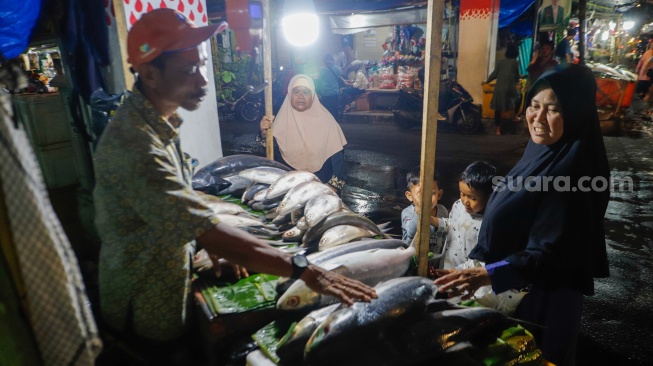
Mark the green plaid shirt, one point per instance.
(148, 217)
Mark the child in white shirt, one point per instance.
(466, 215)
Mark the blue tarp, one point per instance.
(17, 18)
(510, 11)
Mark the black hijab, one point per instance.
(552, 238)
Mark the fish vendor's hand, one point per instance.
(239, 271)
(464, 282)
(333, 284)
(266, 122)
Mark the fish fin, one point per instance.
(384, 225)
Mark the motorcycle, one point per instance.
(251, 107)
(455, 106)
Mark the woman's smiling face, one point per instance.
(544, 118)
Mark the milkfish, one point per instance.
(283, 283)
(291, 347)
(342, 234)
(260, 206)
(289, 181)
(263, 174)
(293, 235)
(300, 194)
(208, 184)
(314, 234)
(241, 221)
(369, 266)
(336, 341)
(252, 190)
(225, 208)
(302, 224)
(319, 207)
(238, 185)
(419, 339)
(232, 164)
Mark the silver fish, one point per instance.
(342, 234)
(291, 347)
(398, 299)
(263, 174)
(302, 224)
(288, 181)
(319, 207)
(299, 195)
(252, 190)
(293, 235)
(226, 208)
(283, 283)
(370, 267)
(314, 234)
(238, 184)
(241, 221)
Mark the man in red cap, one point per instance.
(149, 219)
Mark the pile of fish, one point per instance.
(405, 325)
(618, 72)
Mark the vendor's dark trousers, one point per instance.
(350, 94)
(642, 87)
(558, 313)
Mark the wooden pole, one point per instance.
(432, 63)
(121, 26)
(267, 75)
(582, 10)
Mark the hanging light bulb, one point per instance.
(629, 24)
(605, 35)
(612, 25)
(300, 23)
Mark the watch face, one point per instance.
(300, 261)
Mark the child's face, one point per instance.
(473, 199)
(414, 194)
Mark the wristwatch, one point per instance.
(299, 265)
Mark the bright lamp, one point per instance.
(300, 23)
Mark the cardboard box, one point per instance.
(363, 102)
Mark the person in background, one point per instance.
(328, 86)
(466, 215)
(542, 61)
(505, 94)
(306, 136)
(150, 220)
(531, 237)
(358, 85)
(409, 216)
(645, 63)
(563, 49)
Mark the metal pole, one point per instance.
(582, 9)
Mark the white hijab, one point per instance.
(306, 139)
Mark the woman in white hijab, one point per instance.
(306, 136)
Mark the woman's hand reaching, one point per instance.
(462, 282)
(266, 122)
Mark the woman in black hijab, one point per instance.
(545, 233)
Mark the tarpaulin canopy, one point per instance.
(16, 21)
(348, 24)
(509, 13)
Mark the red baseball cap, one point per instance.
(165, 30)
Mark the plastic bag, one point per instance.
(405, 77)
(387, 78)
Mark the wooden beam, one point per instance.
(121, 27)
(433, 54)
(267, 75)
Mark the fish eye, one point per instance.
(293, 301)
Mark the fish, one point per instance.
(259, 196)
(291, 346)
(302, 224)
(233, 164)
(208, 184)
(263, 174)
(296, 215)
(399, 299)
(238, 184)
(319, 207)
(423, 338)
(260, 206)
(300, 194)
(313, 235)
(283, 283)
(289, 181)
(252, 190)
(241, 221)
(293, 235)
(368, 266)
(342, 234)
(225, 208)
